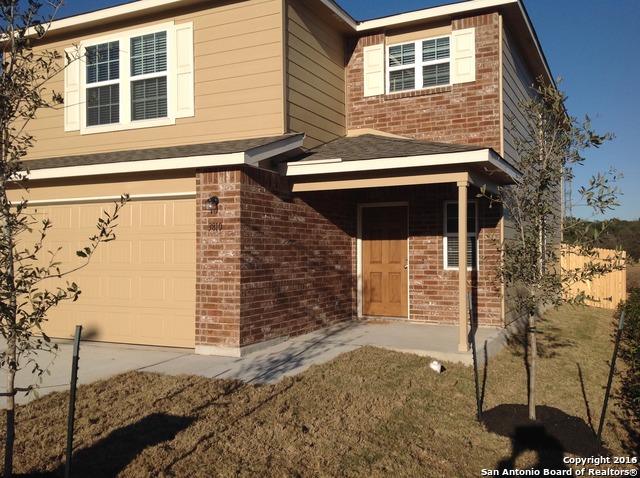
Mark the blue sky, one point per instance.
(592, 44)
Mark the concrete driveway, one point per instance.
(100, 361)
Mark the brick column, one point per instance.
(218, 264)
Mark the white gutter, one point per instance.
(431, 13)
(251, 158)
(110, 12)
(336, 166)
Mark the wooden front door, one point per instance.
(384, 261)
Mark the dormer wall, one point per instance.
(466, 112)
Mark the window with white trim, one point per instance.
(130, 80)
(420, 64)
(451, 238)
(103, 83)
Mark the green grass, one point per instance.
(371, 412)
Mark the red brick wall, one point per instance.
(280, 266)
(296, 259)
(467, 113)
(218, 259)
(284, 265)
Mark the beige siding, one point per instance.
(516, 87)
(315, 76)
(238, 85)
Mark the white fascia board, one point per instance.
(103, 199)
(501, 164)
(305, 168)
(251, 158)
(344, 16)
(139, 166)
(255, 155)
(100, 15)
(430, 13)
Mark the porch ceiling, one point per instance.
(374, 161)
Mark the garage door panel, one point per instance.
(93, 288)
(152, 326)
(120, 288)
(60, 218)
(153, 289)
(153, 214)
(118, 324)
(88, 216)
(153, 251)
(119, 251)
(183, 252)
(145, 278)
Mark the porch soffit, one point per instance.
(224, 153)
(375, 161)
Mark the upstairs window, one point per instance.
(451, 238)
(103, 83)
(149, 75)
(136, 79)
(420, 64)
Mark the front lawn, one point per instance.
(370, 412)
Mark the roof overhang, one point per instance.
(513, 10)
(482, 167)
(251, 157)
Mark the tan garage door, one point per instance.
(138, 289)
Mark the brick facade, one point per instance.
(275, 266)
(272, 264)
(467, 113)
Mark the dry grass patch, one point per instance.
(370, 412)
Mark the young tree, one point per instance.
(549, 143)
(24, 297)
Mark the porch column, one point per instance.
(463, 344)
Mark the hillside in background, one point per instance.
(616, 233)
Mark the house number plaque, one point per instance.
(215, 226)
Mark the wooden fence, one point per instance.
(604, 291)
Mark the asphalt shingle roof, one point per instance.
(371, 146)
(222, 147)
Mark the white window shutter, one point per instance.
(463, 56)
(373, 70)
(185, 92)
(72, 90)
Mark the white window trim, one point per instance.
(418, 65)
(470, 234)
(376, 72)
(124, 39)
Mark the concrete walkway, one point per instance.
(99, 361)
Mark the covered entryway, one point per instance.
(138, 289)
(384, 261)
(424, 175)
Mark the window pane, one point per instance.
(451, 225)
(435, 75)
(149, 99)
(452, 252)
(400, 55)
(436, 49)
(442, 48)
(402, 80)
(103, 62)
(149, 54)
(103, 105)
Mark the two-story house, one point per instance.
(289, 167)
